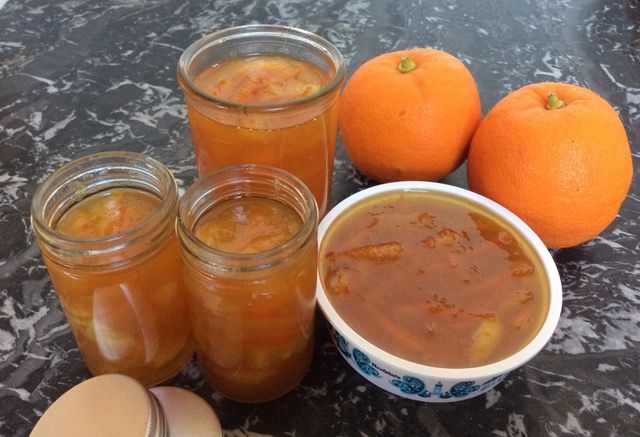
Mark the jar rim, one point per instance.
(245, 31)
(68, 175)
(255, 260)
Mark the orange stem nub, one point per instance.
(553, 102)
(406, 65)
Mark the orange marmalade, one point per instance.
(434, 279)
(254, 338)
(131, 319)
(262, 80)
(107, 213)
(273, 116)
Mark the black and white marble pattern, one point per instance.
(81, 76)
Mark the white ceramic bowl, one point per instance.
(426, 383)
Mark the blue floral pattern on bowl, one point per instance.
(410, 385)
(415, 386)
(342, 344)
(364, 363)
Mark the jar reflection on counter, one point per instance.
(105, 225)
(252, 308)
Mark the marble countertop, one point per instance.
(82, 76)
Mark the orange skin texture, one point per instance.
(564, 171)
(415, 125)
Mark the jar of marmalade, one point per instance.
(105, 225)
(265, 94)
(248, 240)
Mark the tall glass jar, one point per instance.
(252, 311)
(121, 291)
(297, 134)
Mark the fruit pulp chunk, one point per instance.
(262, 80)
(248, 225)
(253, 329)
(433, 279)
(107, 213)
(298, 139)
(131, 319)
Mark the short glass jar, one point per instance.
(122, 293)
(252, 313)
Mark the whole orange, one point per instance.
(557, 155)
(409, 115)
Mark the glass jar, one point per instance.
(122, 293)
(297, 135)
(252, 313)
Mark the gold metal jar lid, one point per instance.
(118, 405)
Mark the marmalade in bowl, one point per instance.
(433, 279)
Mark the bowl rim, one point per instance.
(505, 365)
